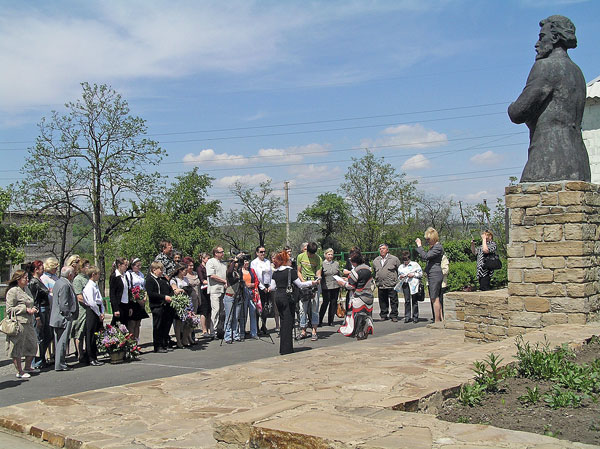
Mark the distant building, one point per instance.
(48, 246)
(591, 127)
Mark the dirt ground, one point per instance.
(503, 409)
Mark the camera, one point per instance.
(239, 256)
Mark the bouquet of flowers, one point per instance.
(138, 293)
(183, 308)
(112, 339)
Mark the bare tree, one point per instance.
(99, 163)
(261, 210)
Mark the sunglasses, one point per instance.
(261, 252)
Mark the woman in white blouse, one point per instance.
(135, 278)
(409, 278)
(94, 314)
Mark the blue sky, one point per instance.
(292, 90)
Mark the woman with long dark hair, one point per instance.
(41, 298)
(119, 294)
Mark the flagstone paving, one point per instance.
(353, 396)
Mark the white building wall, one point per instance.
(591, 135)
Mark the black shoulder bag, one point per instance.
(491, 261)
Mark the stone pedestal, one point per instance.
(553, 249)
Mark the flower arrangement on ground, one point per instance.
(113, 339)
(183, 308)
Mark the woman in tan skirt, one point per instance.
(19, 303)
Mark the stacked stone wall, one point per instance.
(553, 249)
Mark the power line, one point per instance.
(314, 122)
(310, 131)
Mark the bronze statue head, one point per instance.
(556, 31)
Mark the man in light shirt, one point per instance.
(386, 276)
(262, 267)
(216, 272)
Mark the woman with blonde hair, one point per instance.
(433, 269)
(20, 304)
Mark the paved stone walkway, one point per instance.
(355, 396)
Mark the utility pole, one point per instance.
(286, 188)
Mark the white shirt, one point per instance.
(125, 295)
(92, 297)
(136, 279)
(263, 271)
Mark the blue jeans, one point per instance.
(232, 315)
(250, 309)
(314, 310)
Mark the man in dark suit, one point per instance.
(64, 311)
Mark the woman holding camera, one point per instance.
(487, 246)
(281, 284)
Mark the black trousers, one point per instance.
(411, 305)
(162, 318)
(286, 316)
(329, 304)
(92, 325)
(484, 283)
(388, 299)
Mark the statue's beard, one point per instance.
(543, 51)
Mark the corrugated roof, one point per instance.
(593, 88)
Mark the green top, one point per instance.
(309, 265)
(79, 283)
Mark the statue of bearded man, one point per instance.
(551, 105)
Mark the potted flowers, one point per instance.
(118, 342)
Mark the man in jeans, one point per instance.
(310, 266)
(386, 276)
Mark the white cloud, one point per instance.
(47, 50)
(250, 180)
(487, 158)
(318, 173)
(417, 162)
(408, 136)
(262, 156)
(477, 196)
(272, 155)
(209, 157)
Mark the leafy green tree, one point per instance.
(261, 210)
(101, 148)
(14, 237)
(192, 215)
(185, 218)
(332, 214)
(378, 196)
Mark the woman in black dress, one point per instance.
(283, 277)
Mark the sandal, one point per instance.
(314, 337)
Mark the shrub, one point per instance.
(458, 250)
(462, 276)
(500, 277)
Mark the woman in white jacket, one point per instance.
(409, 278)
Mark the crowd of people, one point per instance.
(221, 297)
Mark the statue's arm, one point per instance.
(537, 90)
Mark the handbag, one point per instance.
(341, 311)
(10, 326)
(421, 293)
(491, 262)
